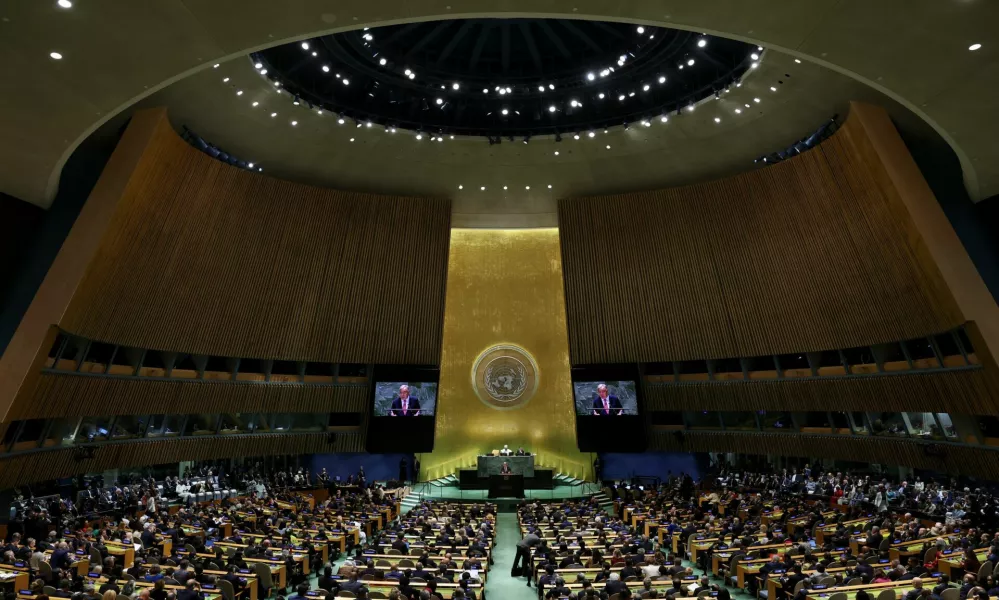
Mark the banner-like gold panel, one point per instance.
(504, 288)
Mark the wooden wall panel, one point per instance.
(981, 463)
(961, 392)
(58, 395)
(24, 469)
(206, 258)
(812, 253)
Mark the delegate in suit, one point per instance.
(405, 405)
(605, 403)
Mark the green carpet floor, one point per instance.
(500, 585)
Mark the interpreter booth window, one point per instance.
(31, 433)
(62, 432)
(776, 420)
(93, 429)
(947, 426)
(888, 423)
(233, 423)
(922, 354)
(814, 422)
(165, 426)
(301, 421)
(950, 352)
(703, 419)
(840, 422)
(201, 425)
(129, 426)
(262, 422)
(859, 423)
(739, 420)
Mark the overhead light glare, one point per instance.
(305, 45)
(662, 79)
(552, 108)
(664, 118)
(717, 120)
(702, 43)
(294, 123)
(797, 60)
(326, 69)
(641, 29)
(440, 101)
(258, 66)
(754, 56)
(974, 47)
(690, 63)
(455, 86)
(645, 87)
(505, 111)
(383, 62)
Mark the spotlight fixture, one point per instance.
(225, 80)
(250, 165)
(504, 187)
(419, 136)
(608, 146)
(65, 4)
(664, 118)
(754, 56)
(690, 63)
(641, 29)
(345, 81)
(591, 134)
(621, 97)
(483, 188)
(756, 100)
(754, 65)
(505, 112)
(305, 45)
(258, 66)
(239, 92)
(798, 60)
(412, 75)
(702, 43)
(551, 86)
(541, 88)
(717, 120)
(461, 187)
(351, 139)
(340, 121)
(556, 153)
(645, 87)
(455, 86)
(590, 76)
(647, 123)
(773, 89)
(315, 54)
(294, 123)
(326, 69)
(263, 72)
(215, 66)
(549, 186)
(575, 137)
(255, 104)
(573, 103)
(383, 62)
(273, 115)
(600, 95)
(527, 187)
(738, 111)
(974, 47)
(552, 108)
(440, 101)
(662, 79)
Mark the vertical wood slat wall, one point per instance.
(206, 258)
(21, 469)
(59, 395)
(963, 392)
(809, 254)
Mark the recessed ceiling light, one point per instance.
(258, 66)
(263, 72)
(773, 89)
(255, 103)
(591, 76)
(662, 79)
(702, 43)
(383, 62)
(314, 54)
(509, 90)
(483, 188)
(575, 137)
(419, 136)
(305, 45)
(505, 111)
(541, 88)
(239, 92)
(738, 111)
(573, 103)
(974, 47)
(747, 106)
(556, 153)
(551, 86)
(352, 139)
(691, 108)
(65, 4)
(326, 69)
(600, 95)
(504, 187)
(552, 108)
(754, 65)
(591, 134)
(296, 102)
(641, 29)
(608, 146)
(621, 97)
(647, 123)
(664, 118)
(717, 120)
(527, 187)
(549, 186)
(55, 55)
(455, 86)
(645, 88)
(340, 121)
(461, 187)
(346, 81)
(294, 123)
(215, 66)
(797, 60)
(368, 124)
(690, 63)
(440, 101)
(250, 165)
(754, 56)
(757, 100)
(273, 115)
(225, 80)
(261, 169)
(412, 75)
(452, 137)
(319, 111)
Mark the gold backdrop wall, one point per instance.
(505, 287)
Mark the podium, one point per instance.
(506, 486)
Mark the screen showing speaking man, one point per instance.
(606, 398)
(405, 399)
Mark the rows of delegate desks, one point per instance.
(749, 567)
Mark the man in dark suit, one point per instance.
(404, 405)
(615, 585)
(505, 469)
(191, 591)
(605, 403)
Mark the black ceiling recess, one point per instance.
(506, 77)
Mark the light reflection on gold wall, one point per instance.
(505, 287)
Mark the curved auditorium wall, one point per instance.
(205, 258)
(813, 253)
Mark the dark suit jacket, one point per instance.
(612, 400)
(414, 407)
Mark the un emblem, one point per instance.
(505, 376)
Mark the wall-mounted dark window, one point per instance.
(728, 366)
(817, 420)
(776, 420)
(692, 367)
(666, 418)
(793, 361)
(284, 367)
(840, 420)
(703, 419)
(920, 349)
(962, 337)
(739, 420)
(659, 369)
(218, 364)
(250, 365)
(318, 369)
(353, 370)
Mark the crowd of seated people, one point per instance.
(779, 535)
(153, 550)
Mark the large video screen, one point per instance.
(606, 398)
(405, 399)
